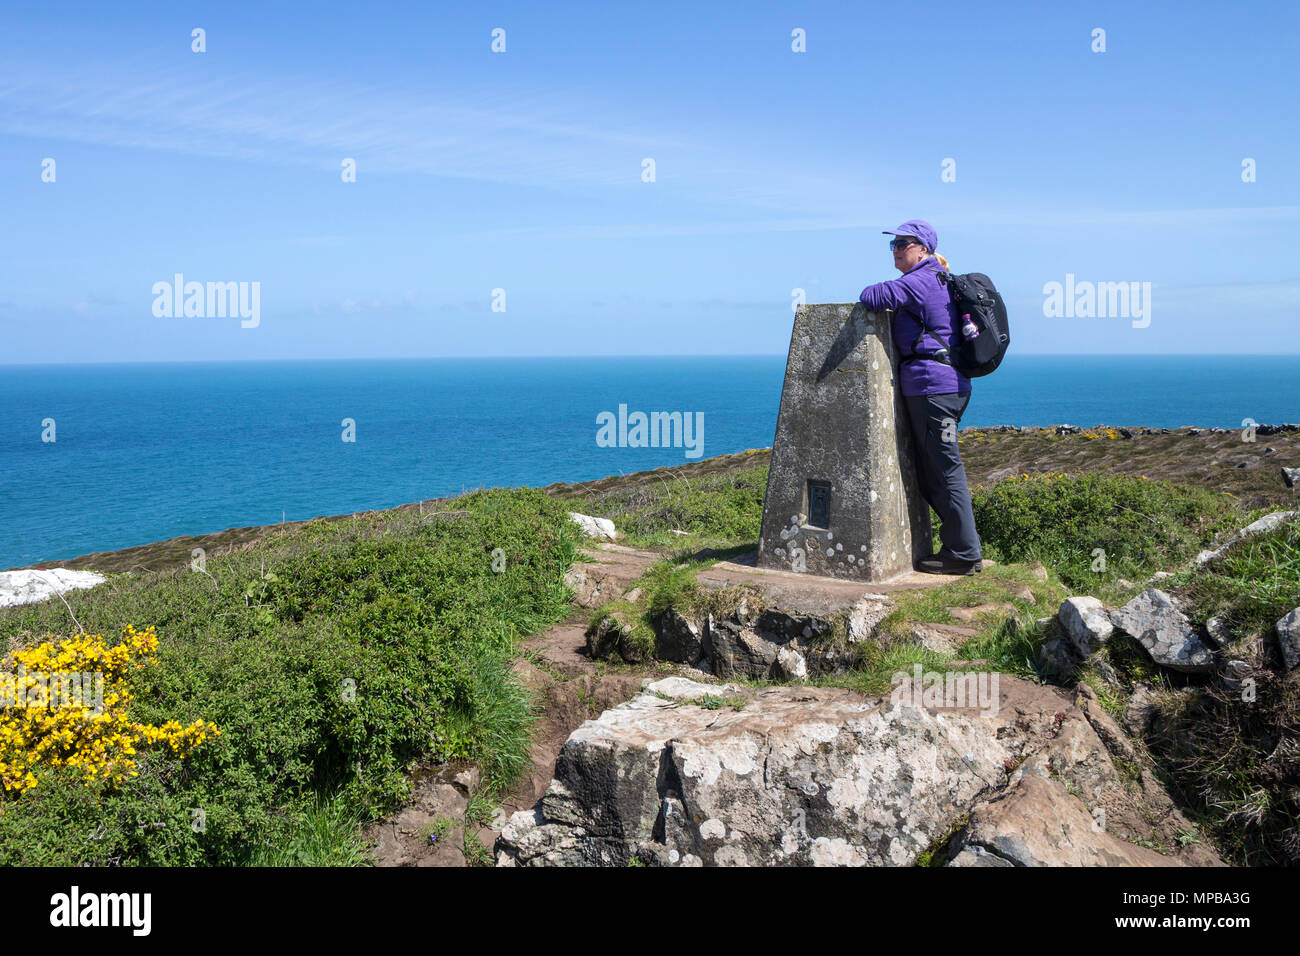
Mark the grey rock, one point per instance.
(735, 650)
(865, 616)
(1140, 710)
(976, 855)
(1269, 522)
(1085, 623)
(467, 781)
(1024, 593)
(611, 634)
(1105, 671)
(1234, 676)
(1058, 657)
(1291, 476)
(1265, 524)
(678, 638)
(1288, 638)
(1037, 570)
(1216, 632)
(940, 638)
(1154, 619)
(799, 776)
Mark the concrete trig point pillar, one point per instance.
(842, 498)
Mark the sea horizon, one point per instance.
(604, 355)
(148, 451)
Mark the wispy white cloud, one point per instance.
(556, 140)
(551, 139)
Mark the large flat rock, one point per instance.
(695, 774)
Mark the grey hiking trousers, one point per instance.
(940, 473)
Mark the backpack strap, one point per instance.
(938, 355)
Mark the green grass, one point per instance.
(714, 509)
(327, 834)
(1253, 584)
(331, 656)
(1236, 758)
(436, 828)
(667, 584)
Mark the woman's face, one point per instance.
(908, 251)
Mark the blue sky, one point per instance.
(521, 170)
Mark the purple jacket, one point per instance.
(913, 294)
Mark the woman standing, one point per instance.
(936, 394)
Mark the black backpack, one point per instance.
(975, 295)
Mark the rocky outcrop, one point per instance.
(745, 632)
(692, 774)
(1037, 823)
(613, 634)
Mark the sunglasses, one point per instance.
(896, 244)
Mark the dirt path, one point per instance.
(569, 688)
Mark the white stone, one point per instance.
(30, 585)
(792, 664)
(594, 527)
(1086, 623)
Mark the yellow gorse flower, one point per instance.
(99, 742)
(1024, 478)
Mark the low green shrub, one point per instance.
(330, 657)
(1139, 525)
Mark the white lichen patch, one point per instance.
(713, 829)
(730, 855)
(837, 852)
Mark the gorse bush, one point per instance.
(330, 657)
(1140, 525)
(68, 706)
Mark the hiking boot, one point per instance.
(936, 564)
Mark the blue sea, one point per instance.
(145, 452)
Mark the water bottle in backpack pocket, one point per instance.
(982, 318)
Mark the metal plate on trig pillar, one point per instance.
(819, 503)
